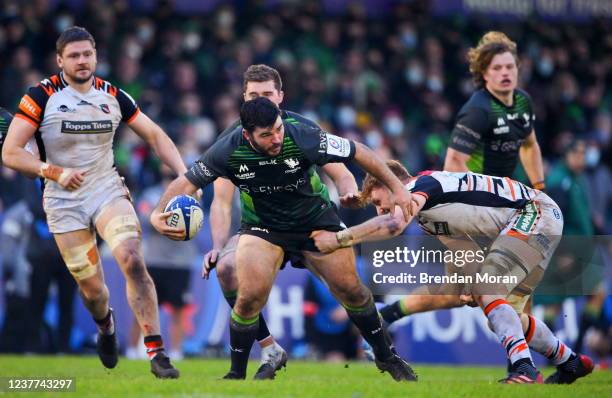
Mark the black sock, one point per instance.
(242, 336)
(106, 325)
(392, 312)
(370, 325)
(263, 331)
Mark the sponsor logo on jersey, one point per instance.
(87, 127)
(338, 146)
(83, 102)
(267, 162)
(322, 142)
(270, 189)
(105, 108)
(260, 229)
(501, 130)
(500, 121)
(202, 169)
(526, 118)
(292, 163)
(243, 168)
(30, 108)
(65, 108)
(512, 116)
(245, 176)
(527, 219)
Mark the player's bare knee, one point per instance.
(132, 263)
(248, 308)
(226, 273)
(94, 293)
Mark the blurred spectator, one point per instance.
(328, 328)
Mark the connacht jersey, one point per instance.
(76, 130)
(283, 192)
(5, 121)
(492, 133)
(468, 203)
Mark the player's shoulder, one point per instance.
(296, 118)
(105, 86)
(480, 99)
(522, 96)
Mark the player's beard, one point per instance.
(79, 80)
(261, 149)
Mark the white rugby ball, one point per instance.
(187, 215)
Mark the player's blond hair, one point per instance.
(370, 182)
(490, 45)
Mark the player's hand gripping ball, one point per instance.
(187, 215)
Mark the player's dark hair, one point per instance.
(259, 112)
(261, 73)
(370, 182)
(73, 33)
(490, 45)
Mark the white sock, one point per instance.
(508, 328)
(270, 351)
(542, 340)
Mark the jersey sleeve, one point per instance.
(211, 165)
(229, 129)
(426, 186)
(32, 105)
(321, 147)
(127, 105)
(469, 130)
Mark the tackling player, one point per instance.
(272, 162)
(511, 214)
(259, 81)
(74, 116)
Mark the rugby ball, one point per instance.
(187, 215)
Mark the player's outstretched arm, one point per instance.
(180, 186)
(531, 158)
(16, 157)
(371, 163)
(163, 146)
(378, 228)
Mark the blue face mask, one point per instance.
(346, 116)
(394, 126)
(592, 156)
(546, 67)
(410, 39)
(415, 76)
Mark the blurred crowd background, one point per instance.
(392, 74)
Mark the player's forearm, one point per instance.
(531, 158)
(378, 228)
(220, 223)
(180, 186)
(371, 163)
(343, 179)
(455, 163)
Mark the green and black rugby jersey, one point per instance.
(283, 192)
(5, 120)
(285, 115)
(492, 133)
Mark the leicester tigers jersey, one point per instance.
(468, 203)
(76, 130)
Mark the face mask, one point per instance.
(409, 39)
(373, 139)
(435, 84)
(145, 33)
(62, 23)
(103, 69)
(546, 67)
(394, 126)
(192, 41)
(346, 116)
(592, 156)
(415, 76)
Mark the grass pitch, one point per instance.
(200, 378)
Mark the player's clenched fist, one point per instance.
(69, 179)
